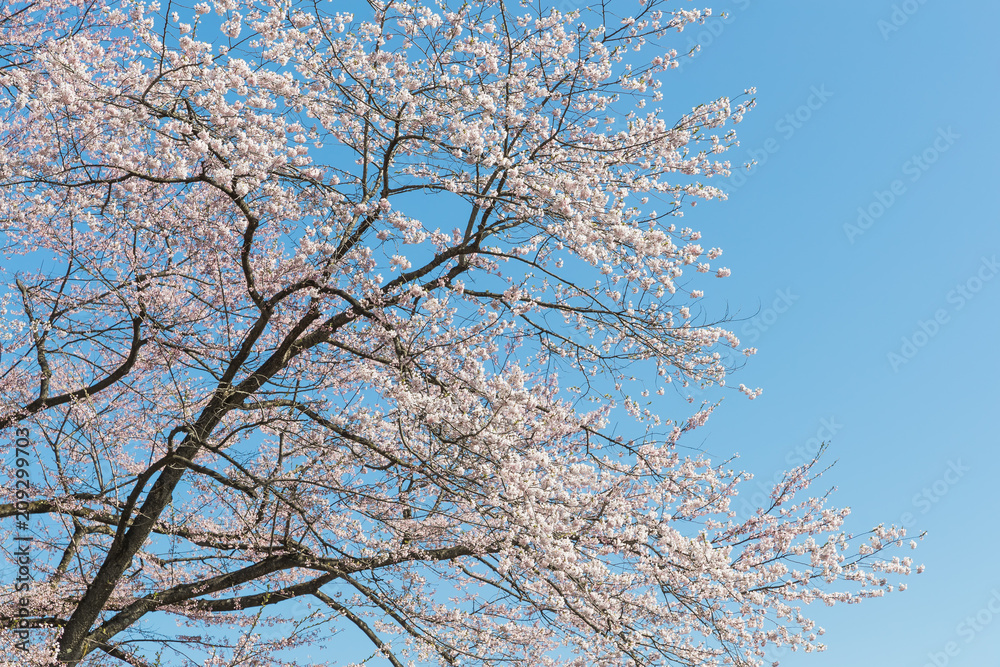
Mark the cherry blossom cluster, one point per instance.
(329, 319)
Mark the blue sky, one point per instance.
(887, 107)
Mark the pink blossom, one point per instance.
(275, 386)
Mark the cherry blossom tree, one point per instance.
(323, 323)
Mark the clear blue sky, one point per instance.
(911, 92)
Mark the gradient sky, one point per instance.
(887, 107)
